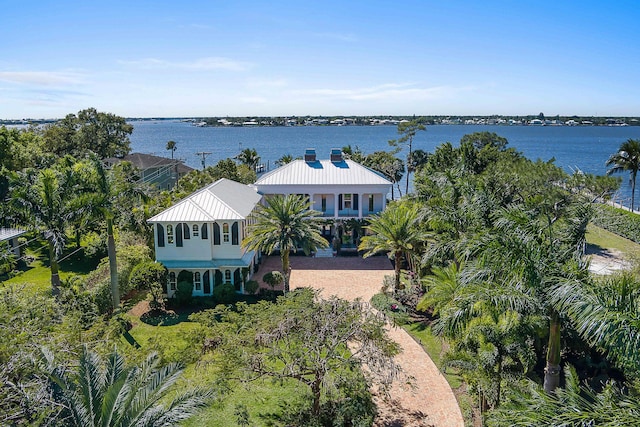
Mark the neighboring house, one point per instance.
(162, 172)
(11, 235)
(340, 189)
(199, 238)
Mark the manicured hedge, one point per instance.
(618, 221)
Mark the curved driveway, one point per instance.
(431, 401)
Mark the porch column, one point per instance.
(384, 201)
(360, 202)
(312, 200)
(336, 206)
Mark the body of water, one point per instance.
(581, 147)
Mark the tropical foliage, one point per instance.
(317, 342)
(104, 392)
(285, 224)
(395, 231)
(627, 159)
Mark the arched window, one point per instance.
(205, 231)
(170, 234)
(172, 280)
(227, 276)
(196, 230)
(225, 232)
(234, 234)
(160, 230)
(197, 282)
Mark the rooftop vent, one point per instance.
(336, 155)
(310, 155)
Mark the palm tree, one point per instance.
(530, 252)
(605, 313)
(573, 405)
(249, 157)
(44, 203)
(627, 159)
(395, 230)
(106, 393)
(283, 160)
(171, 145)
(109, 192)
(285, 223)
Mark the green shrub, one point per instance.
(224, 294)
(391, 307)
(618, 221)
(184, 293)
(145, 274)
(251, 287)
(273, 278)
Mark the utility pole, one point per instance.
(204, 155)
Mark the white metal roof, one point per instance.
(322, 172)
(224, 199)
(10, 233)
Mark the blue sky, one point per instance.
(239, 58)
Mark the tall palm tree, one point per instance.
(173, 146)
(285, 223)
(530, 251)
(627, 159)
(110, 192)
(44, 203)
(606, 313)
(106, 393)
(395, 230)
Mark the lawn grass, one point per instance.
(36, 276)
(603, 239)
(432, 345)
(262, 399)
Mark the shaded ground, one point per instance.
(606, 261)
(431, 400)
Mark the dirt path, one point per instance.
(431, 401)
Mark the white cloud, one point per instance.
(384, 92)
(42, 78)
(200, 64)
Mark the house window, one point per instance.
(170, 234)
(227, 276)
(197, 282)
(324, 204)
(225, 232)
(196, 231)
(172, 281)
(347, 201)
(370, 202)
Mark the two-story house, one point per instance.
(199, 238)
(341, 189)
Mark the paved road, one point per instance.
(430, 401)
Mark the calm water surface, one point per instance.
(585, 148)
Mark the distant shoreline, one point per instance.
(257, 121)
